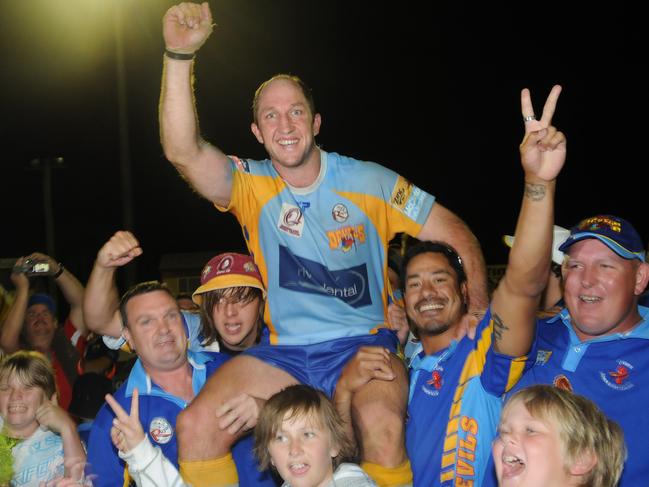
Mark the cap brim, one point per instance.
(226, 281)
(611, 244)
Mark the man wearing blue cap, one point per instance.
(598, 345)
(31, 323)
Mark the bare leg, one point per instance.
(199, 437)
(378, 413)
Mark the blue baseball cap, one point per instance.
(616, 233)
(40, 298)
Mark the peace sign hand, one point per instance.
(127, 431)
(543, 150)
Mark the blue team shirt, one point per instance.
(158, 413)
(321, 250)
(610, 370)
(454, 409)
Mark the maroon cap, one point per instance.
(228, 270)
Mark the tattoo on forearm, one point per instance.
(499, 327)
(536, 192)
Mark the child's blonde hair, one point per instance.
(582, 427)
(31, 368)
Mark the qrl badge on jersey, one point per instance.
(161, 430)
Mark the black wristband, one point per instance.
(59, 272)
(179, 55)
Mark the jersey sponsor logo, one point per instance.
(407, 198)
(241, 164)
(307, 276)
(542, 357)
(618, 378)
(401, 193)
(161, 430)
(562, 382)
(346, 237)
(291, 220)
(340, 213)
(414, 203)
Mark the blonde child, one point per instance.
(42, 437)
(550, 437)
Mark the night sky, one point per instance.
(430, 89)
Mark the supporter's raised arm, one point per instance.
(185, 28)
(101, 302)
(12, 326)
(515, 301)
(70, 286)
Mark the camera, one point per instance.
(31, 267)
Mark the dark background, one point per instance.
(430, 89)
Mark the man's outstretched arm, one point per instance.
(185, 28)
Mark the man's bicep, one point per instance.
(210, 174)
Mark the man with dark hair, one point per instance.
(457, 382)
(167, 375)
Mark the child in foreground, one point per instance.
(300, 433)
(41, 436)
(551, 437)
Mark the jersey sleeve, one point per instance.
(499, 372)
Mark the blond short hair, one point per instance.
(31, 368)
(582, 427)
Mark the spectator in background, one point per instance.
(185, 302)
(551, 303)
(32, 323)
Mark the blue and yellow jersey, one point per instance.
(611, 370)
(454, 408)
(321, 250)
(158, 413)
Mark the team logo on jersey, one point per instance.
(618, 378)
(542, 357)
(340, 213)
(434, 384)
(241, 164)
(161, 430)
(346, 237)
(562, 382)
(436, 380)
(291, 220)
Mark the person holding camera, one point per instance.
(32, 324)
